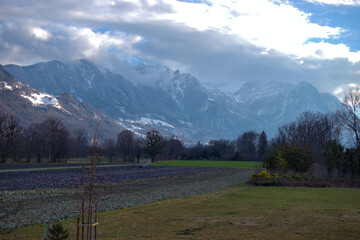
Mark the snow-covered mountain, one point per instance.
(29, 106)
(106, 91)
(280, 103)
(251, 92)
(173, 102)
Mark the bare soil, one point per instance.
(27, 207)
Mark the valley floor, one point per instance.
(46, 196)
(240, 212)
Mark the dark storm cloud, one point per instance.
(131, 29)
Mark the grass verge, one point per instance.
(198, 163)
(242, 212)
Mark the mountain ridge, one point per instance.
(31, 106)
(177, 99)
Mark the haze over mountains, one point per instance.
(175, 103)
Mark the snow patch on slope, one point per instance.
(139, 127)
(150, 121)
(42, 99)
(5, 85)
(135, 129)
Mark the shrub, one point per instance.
(57, 232)
(275, 160)
(292, 157)
(264, 178)
(334, 156)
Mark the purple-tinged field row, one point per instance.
(27, 180)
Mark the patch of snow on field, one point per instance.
(42, 99)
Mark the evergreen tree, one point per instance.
(57, 232)
(262, 145)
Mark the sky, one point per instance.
(223, 43)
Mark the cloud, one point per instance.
(27, 44)
(337, 2)
(41, 34)
(223, 43)
(274, 25)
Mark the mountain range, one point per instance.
(30, 106)
(175, 103)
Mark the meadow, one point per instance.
(219, 212)
(240, 212)
(201, 163)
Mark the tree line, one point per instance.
(50, 141)
(317, 140)
(313, 138)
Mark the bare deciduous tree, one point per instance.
(110, 148)
(125, 143)
(312, 130)
(138, 148)
(80, 144)
(9, 134)
(57, 139)
(246, 145)
(350, 114)
(173, 148)
(153, 143)
(29, 138)
(221, 149)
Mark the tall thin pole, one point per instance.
(96, 220)
(88, 221)
(90, 225)
(89, 195)
(78, 229)
(83, 221)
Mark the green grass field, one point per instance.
(87, 160)
(240, 212)
(227, 164)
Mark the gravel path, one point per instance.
(26, 207)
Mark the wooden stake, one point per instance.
(90, 225)
(96, 220)
(78, 229)
(83, 221)
(88, 220)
